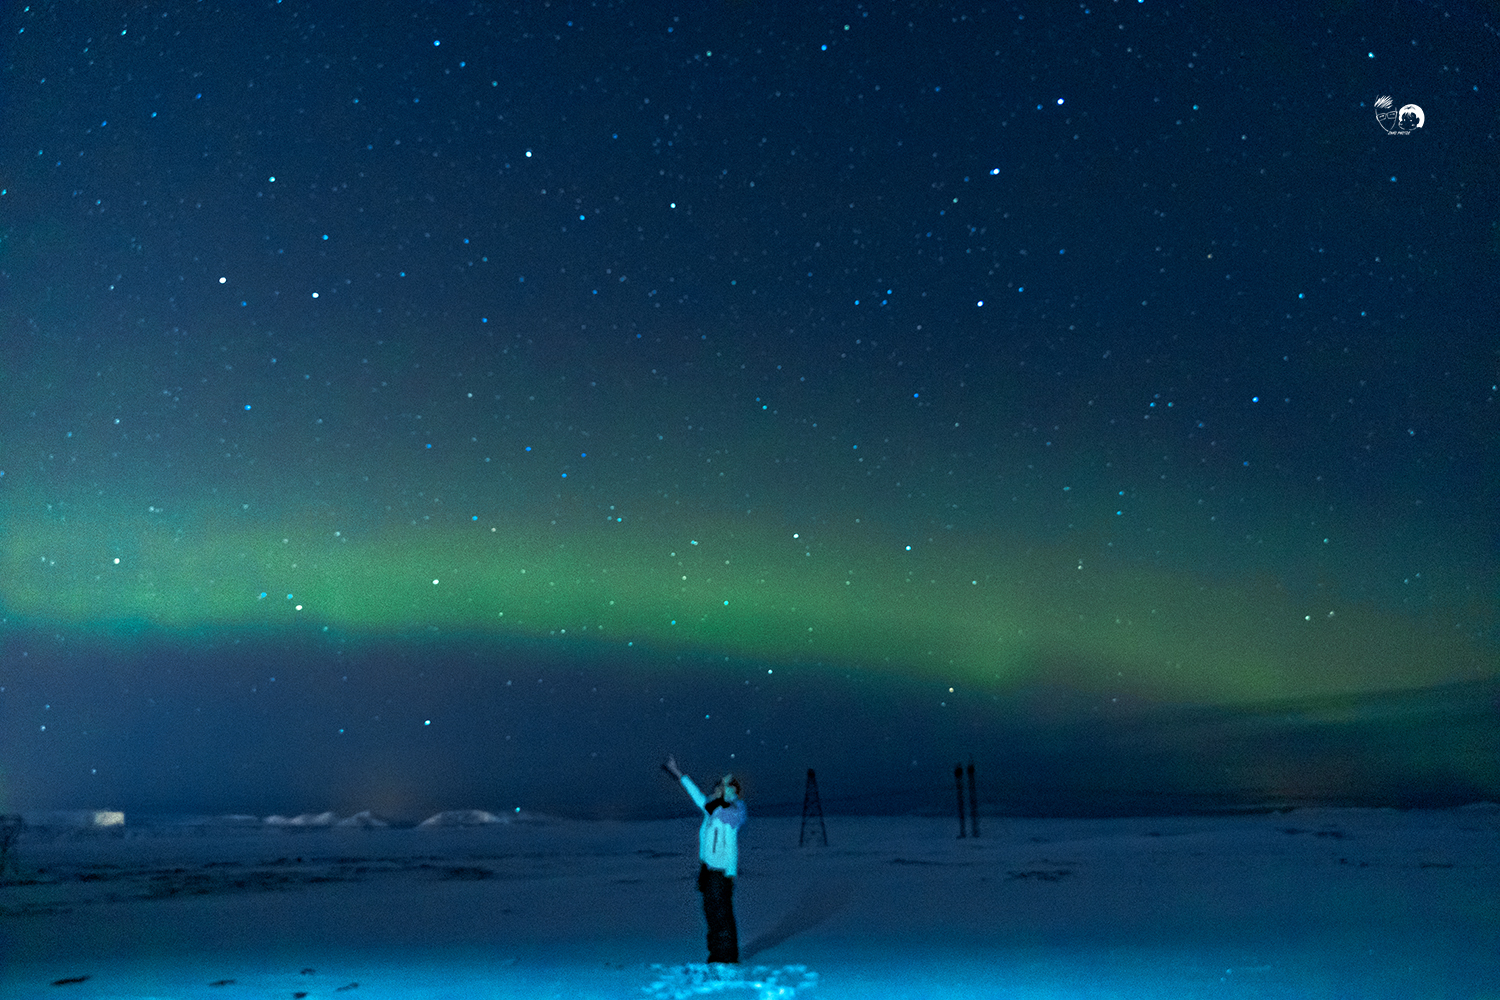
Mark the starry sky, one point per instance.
(446, 405)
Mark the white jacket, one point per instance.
(718, 837)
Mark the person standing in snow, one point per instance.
(718, 856)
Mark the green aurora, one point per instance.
(984, 612)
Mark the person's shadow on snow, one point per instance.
(816, 905)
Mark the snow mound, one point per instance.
(461, 817)
(77, 819)
(364, 820)
(303, 820)
(762, 982)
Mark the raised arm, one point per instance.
(670, 766)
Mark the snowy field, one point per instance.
(1305, 904)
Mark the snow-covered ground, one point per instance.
(1306, 904)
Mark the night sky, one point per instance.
(452, 404)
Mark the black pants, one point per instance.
(718, 908)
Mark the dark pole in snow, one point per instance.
(958, 786)
(812, 809)
(10, 829)
(973, 803)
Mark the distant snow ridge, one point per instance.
(680, 982)
(364, 819)
(303, 820)
(78, 819)
(461, 817)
